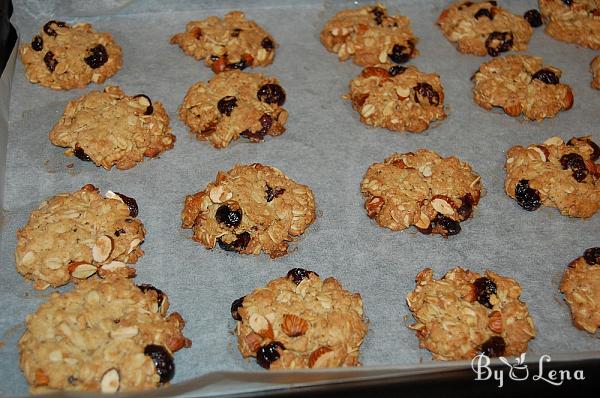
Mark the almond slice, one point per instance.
(442, 207)
(423, 222)
(102, 248)
(495, 322)
(322, 357)
(111, 381)
(294, 325)
(260, 325)
(125, 332)
(82, 270)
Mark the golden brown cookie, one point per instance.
(300, 321)
(249, 209)
(595, 68)
(422, 189)
(398, 98)
(581, 286)
(105, 335)
(573, 21)
(229, 43)
(64, 57)
(555, 174)
(465, 313)
(370, 36)
(521, 84)
(73, 236)
(481, 28)
(111, 128)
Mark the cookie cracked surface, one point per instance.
(63, 57)
(521, 84)
(483, 28)
(235, 103)
(465, 313)
(105, 335)
(229, 43)
(595, 68)
(555, 174)
(370, 36)
(573, 21)
(111, 128)
(300, 321)
(73, 236)
(397, 98)
(422, 189)
(249, 209)
(581, 286)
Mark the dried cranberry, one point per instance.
(576, 163)
(119, 232)
(267, 44)
(378, 13)
(401, 54)
(239, 243)
(266, 123)
(271, 94)
(568, 2)
(160, 296)
(527, 198)
(595, 149)
(48, 27)
(226, 105)
(163, 361)
(150, 109)
(37, 43)
(484, 12)
(426, 91)
(533, 17)
(234, 308)
(229, 216)
(268, 354)
(241, 65)
(299, 274)
(494, 347)
(546, 76)
(78, 152)
(273, 193)
(396, 70)
(50, 61)
(445, 225)
(466, 208)
(97, 58)
(131, 203)
(484, 288)
(498, 42)
(592, 255)
(236, 32)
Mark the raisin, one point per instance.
(396, 70)
(568, 2)
(534, 18)
(241, 65)
(226, 105)
(37, 43)
(299, 274)
(466, 208)
(484, 288)
(504, 43)
(595, 149)
(234, 308)
(273, 193)
(97, 58)
(494, 347)
(50, 61)
(131, 203)
(160, 295)
(378, 14)
(236, 32)
(546, 76)
(78, 152)
(214, 58)
(445, 225)
(72, 380)
(266, 122)
(163, 361)
(238, 244)
(267, 44)
(592, 255)
(426, 91)
(271, 94)
(527, 198)
(150, 109)
(48, 27)
(268, 354)
(576, 163)
(484, 12)
(229, 216)
(401, 54)
(119, 232)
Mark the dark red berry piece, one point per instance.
(119, 232)
(236, 32)
(267, 44)
(595, 149)
(98, 56)
(228, 215)
(299, 274)
(527, 198)
(266, 122)
(568, 2)
(268, 354)
(241, 65)
(465, 4)
(378, 14)
(494, 347)
(498, 42)
(576, 163)
(150, 109)
(592, 255)
(445, 225)
(50, 61)
(37, 43)
(226, 105)
(396, 70)
(238, 244)
(425, 90)
(160, 295)
(235, 306)
(533, 17)
(546, 76)
(484, 12)
(272, 193)
(78, 152)
(163, 361)
(401, 54)
(130, 202)
(466, 208)
(271, 94)
(48, 27)
(484, 288)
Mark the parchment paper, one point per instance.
(325, 147)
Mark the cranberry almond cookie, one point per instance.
(105, 335)
(595, 68)
(62, 57)
(573, 21)
(423, 189)
(300, 321)
(111, 128)
(73, 236)
(581, 286)
(249, 209)
(481, 28)
(465, 313)
(521, 84)
(229, 43)
(370, 36)
(555, 174)
(398, 98)
(235, 103)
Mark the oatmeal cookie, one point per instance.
(581, 286)
(573, 21)
(521, 84)
(595, 68)
(398, 98)
(73, 236)
(370, 36)
(110, 128)
(105, 335)
(422, 189)
(229, 43)
(249, 209)
(62, 57)
(464, 314)
(555, 174)
(481, 28)
(300, 321)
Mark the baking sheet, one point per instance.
(325, 147)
